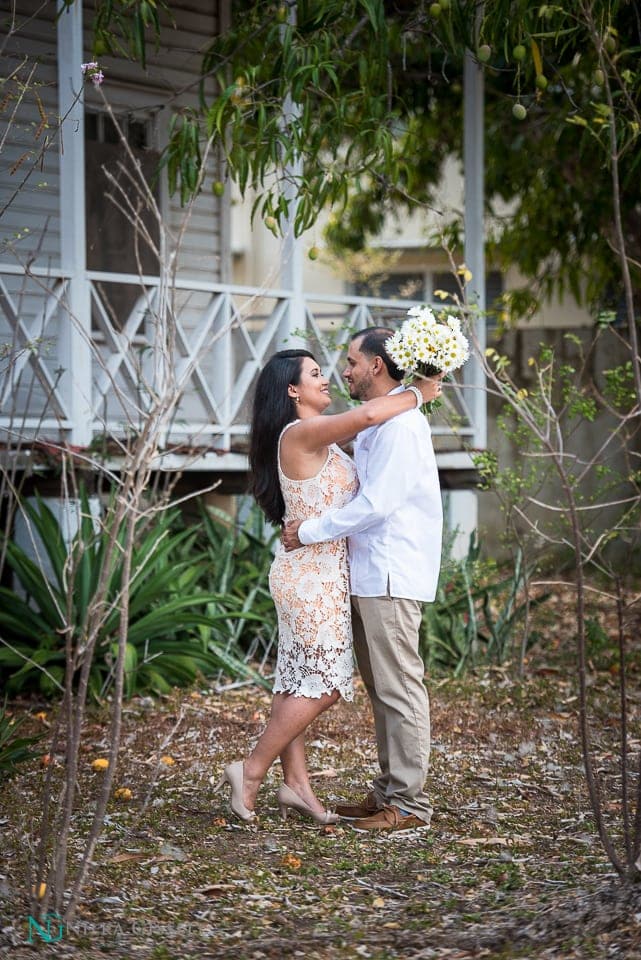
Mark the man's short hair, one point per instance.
(373, 345)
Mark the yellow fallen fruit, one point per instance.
(289, 860)
(168, 761)
(100, 764)
(123, 793)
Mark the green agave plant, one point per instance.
(474, 617)
(13, 749)
(238, 562)
(176, 630)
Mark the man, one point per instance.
(394, 526)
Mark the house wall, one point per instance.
(168, 84)
(600, 442)
(29, 198)
(405, 245)
(31, 153)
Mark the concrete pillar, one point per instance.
(461, 515)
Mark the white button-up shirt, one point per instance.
(395, 521)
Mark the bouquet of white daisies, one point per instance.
(425, 346)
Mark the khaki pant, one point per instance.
(386, 648)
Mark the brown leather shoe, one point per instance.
(357, 811)
(390, 818)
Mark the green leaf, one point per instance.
(375, 13)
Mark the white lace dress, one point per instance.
(310, 588)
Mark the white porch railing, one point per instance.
(223, 336)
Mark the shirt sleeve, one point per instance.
(393, 462)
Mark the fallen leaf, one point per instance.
(484, 841)
(289, 860)
(215, 890)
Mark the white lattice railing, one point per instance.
(223, 335)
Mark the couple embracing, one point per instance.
(384, 510)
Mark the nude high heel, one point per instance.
(288, 798)
(233, 775)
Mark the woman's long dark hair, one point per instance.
(273, 410)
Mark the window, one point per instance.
(111, 241)
(421, 286)
(391, 286)
(394, 286)
(493, 290)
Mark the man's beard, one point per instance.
(361, 391)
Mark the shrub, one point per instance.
(13, 749)
(475, 614)
(176, 630)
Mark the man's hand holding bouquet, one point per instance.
(427, 347)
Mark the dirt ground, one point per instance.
(511, 867)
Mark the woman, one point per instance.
(299, 471)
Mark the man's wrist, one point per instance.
(311, 531)
(301, 534)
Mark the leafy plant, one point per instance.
(238, 558)
(13, 749)
(176, 630)
(474, 616)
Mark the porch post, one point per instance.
(222, 385)
(474, 165)
(224, 205)
(75, 323)
(291, 273)
(462, 506)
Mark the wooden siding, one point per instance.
(29, 169)
(169, 84)
(31, 319)
(31, 223)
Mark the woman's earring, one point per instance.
(296, 399)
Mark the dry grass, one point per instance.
(510, 868)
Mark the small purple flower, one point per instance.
(93, 71)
